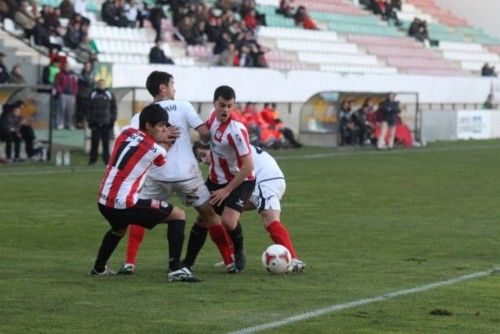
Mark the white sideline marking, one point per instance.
(360, 302)
(339, 153)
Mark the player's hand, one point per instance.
(173, 133)
(218, 196)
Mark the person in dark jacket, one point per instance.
(158, 56)
(101, 119)
(85, 86)
(389, 110)
(4, 73)
(9, 129)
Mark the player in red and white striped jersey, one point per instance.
(232, 179)
(134, 153)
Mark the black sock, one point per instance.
(237, 237)
(196, 241)
(175, 236)
(108, 245)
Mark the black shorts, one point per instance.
(236, 199)
(147, 213)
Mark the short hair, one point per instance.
(155, 79)
(226, 92)
(152, 114)
(198, 145)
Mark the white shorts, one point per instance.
(267, 194)
(192, 192)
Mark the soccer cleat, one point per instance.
(240, 258)
(106, 272)
(126, 269)
(230, 268)
(182, 275)
(296, 265)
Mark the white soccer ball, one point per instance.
(276, 259)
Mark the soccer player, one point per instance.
(134, 153)
(269, 189)
(231, 179)
(181, 175)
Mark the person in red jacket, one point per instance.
(66, 89)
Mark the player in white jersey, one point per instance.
(231, 179)
(134, 153)
(182, 175)
(270, 187)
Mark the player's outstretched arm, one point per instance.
(204, 133)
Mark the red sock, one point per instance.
(220, 237)
(279, 234)
(135, 237)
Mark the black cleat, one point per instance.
(240, 258)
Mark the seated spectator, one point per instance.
(418, 30)
(345, 123)
(270, 115)
(302, 18)
(362, 129)
(73, 35)
(16, 77)
(286, 8)
(156, 15)
(488, 104)
(385, 10)
(9, 130)
(227, 57)
(4, 73)
(4, 10)
(66, 9)
(86, 50)
(488, 71)
(158, 56)
(25, 18)
(131, 9)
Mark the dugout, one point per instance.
(319, 116)
(38, 102)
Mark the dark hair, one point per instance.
(226, 92)
(152, 114)
(198, 145)
(155, 79)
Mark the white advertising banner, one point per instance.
(474, 124)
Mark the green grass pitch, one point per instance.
(365, 222)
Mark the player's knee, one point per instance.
(177, 214)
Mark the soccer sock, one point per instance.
(237, 237)
(135, 237)
(196, 241)
(221, 239)
(108, 245)
(279, 234)
(175, 236)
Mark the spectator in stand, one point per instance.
(42, 33)
(228, 56)
(66, 9)
(302, 18)
(102, 117)
(25, 18)
(73, 35)
(488, 71)
(16, 76)
(4, 10)
(86, 82)
(389, 110)
(396, 4)
(286, 8)
(131, 9)
(156, 15)
(4, 73)
(66, 88)
(86, 50)
(418, 30)
(158, 56)
(222, 42)
(385, 9)
(488, 104)
(50, 72)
